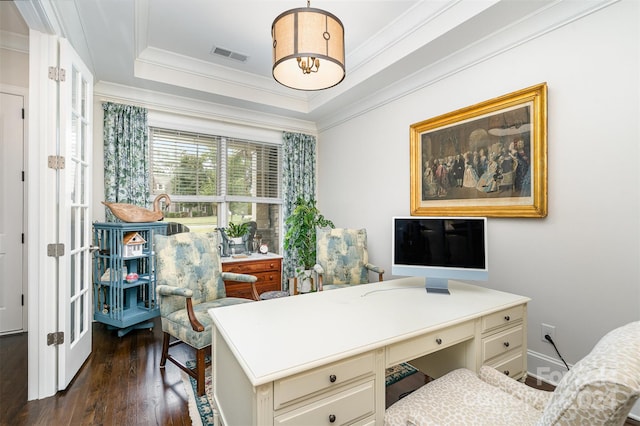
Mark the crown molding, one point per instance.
(179, 105)
(543, 21)
(39, 15)
(170, 68)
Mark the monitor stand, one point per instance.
(437, 285)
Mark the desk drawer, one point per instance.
(427, 343)
(510, 366)
(339, 409)
(321, 379)
(502, 342)
(504, 317)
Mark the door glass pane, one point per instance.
(72, 165)
(73, 137)
(72, 322)
(83, 140)
(74, 89)
(81, 313)
(86, 270)
(72, 229)
(83, 99)
(81, 229)
(72, 276)
(83, 184)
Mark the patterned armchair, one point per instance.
(599, 390)
(342, 258)
(189, 282)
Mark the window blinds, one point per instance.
(192, 164)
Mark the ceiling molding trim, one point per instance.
(177, 70)
(38, 15)
(403, 38)
(141, 26)
(111, 92)
(553, 17)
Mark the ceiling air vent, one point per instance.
(228, 54)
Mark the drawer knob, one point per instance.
(439, 341)
(333, 378)
(506, 372)
(507, 318)
(332, 418)
(506, 344)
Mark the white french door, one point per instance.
(74, 216)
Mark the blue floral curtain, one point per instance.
(298, 179)
(126, 152)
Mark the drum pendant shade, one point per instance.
(308, 49)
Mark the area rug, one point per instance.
(201, 408)
(398, 372)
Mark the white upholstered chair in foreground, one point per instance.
(599, 390)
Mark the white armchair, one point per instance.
(599, 390)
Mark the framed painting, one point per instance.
(488, 159)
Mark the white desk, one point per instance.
(303, 359)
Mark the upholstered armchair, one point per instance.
(599, 390)
(342, 258)
(189, 282)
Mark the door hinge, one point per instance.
(56, 338)
(23, 113)
(55, 162)
(55, 250)
(23, 300)
(57, 74)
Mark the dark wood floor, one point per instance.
(120, 383)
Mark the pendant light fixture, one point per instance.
(308, 49)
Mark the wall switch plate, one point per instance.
(547, 329)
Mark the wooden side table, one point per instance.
(267, 267)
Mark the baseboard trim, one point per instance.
(551, 370)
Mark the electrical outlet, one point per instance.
(547, 329)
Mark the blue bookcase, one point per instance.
(121, 299)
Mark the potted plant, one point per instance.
(301, 237)
(236, 232)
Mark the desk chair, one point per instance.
(189, 283)
(599, 390)
(342, 258)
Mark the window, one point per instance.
(216, 180)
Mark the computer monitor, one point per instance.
(440, 249)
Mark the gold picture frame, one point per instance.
(489, 159)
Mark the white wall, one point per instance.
(14, 68)
(580, 265)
